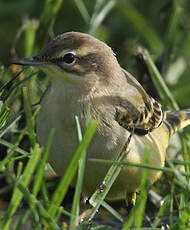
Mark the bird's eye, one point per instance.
(69, 58)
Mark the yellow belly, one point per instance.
(129, 180)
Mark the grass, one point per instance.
(24, 167)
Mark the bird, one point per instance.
(84, 74)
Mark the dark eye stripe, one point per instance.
(60, 60)
(56, 60)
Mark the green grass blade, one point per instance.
(181, 204)
(112, 211)
(100, 194)
(180, 179)
(12, 151)
(11, 146)
(30, 26)
(41, 167)
(34, 202)
(183, 222)
(61, 190)
(158, 81)
(137, 213)
(141, 202)
(78, 188)
(25, 180)
(186, 156)
(51, 8)
(10, 123)
(171, 203)
(44, 192)
(142, 25)
(152, 167)
(23, 220)
(98, 19)
(83, 10)
(30, 122)
(3, 116)
(173, 22)
(47, 19)
(161, 211)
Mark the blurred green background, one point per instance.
(163, 27)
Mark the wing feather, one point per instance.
(145, 115)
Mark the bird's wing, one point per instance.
(137, 110)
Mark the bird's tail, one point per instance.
(176, 120)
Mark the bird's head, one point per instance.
(74, 56)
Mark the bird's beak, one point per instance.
(31, 61)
